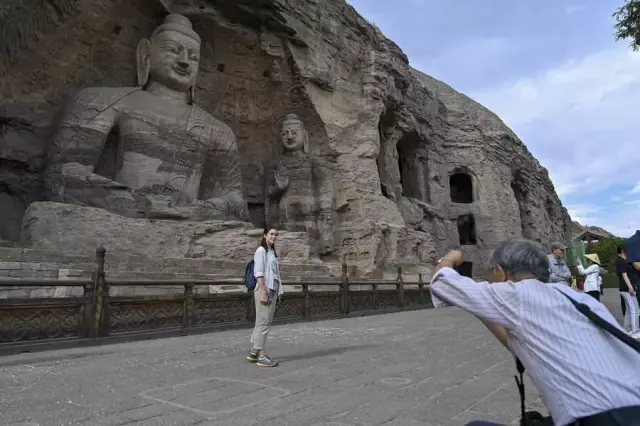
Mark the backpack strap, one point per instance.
(520, 383)
(602, 323)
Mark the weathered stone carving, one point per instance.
(393, 135)
(299, 189)
(148, 151)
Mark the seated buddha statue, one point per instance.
(148, 151)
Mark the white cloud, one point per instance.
(585, 214)
(636, 189)
(632, 202)
(579, 118)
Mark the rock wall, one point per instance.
(400, 143)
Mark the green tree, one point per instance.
(627, 24)
(606, 250)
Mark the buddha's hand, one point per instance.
(282, 179)
(83, 175)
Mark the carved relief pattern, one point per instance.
(290, 307)
(325, 304)
(136, 316)
(23, 21)
(38, 323)
(412, 298)
(388, 299)
(211, 311)
(361, 301)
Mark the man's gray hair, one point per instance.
(521, 256)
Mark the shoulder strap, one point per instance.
(602, 323)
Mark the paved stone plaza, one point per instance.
(422, 368)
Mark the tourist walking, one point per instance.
(586, 372)
(592, 281)
(268, 288)
(627, 292)
(559, 271)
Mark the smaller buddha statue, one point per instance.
(149, 151)
(299, 189)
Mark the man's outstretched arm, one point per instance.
(496, 305)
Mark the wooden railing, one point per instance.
(96, 316)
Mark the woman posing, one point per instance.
(267, 272)
(592, 280)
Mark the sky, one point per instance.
(554, 73)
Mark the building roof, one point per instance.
(591, 233)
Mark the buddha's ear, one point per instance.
(192, 94)
(143, 61)
(305, 145)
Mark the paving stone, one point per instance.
(420, 368)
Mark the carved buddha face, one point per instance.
(293, 136)
(174, 60)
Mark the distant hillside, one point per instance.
(577, 228)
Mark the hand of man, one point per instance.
(455, 256)
(452, 258)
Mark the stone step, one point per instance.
(31, 263)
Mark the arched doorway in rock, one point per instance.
(461, 188)
(412, 167)
(13, 208)
(467, 230)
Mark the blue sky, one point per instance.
(554, 73)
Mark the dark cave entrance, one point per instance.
(467, 230)
(461, 188)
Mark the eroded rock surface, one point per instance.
(79, 230)
(416, 166)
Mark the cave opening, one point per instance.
(467, 230)
(13, 208)
(461, 188)
(520, 194)
(465, 269)
(412, 169)
(387, 119)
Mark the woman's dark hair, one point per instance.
(620, 249)
(263, 241)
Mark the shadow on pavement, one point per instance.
(324, 353)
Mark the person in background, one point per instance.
(269, 287)
(592, 281)
(559, 271)
(583, 373)
(632, 250)
(627, 292)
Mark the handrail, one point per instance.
(43, 282)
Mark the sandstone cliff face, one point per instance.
(417, 166)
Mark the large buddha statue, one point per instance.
(148, 151)
(299, 189)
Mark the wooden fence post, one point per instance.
(306, 300)
(98, 323)
(420, 289)
(187, 308)
(88, 311)
(400, 287)
(345, 289)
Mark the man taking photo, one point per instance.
(584, 373)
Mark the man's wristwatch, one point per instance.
(442, 259)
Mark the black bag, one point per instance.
(534, 418)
